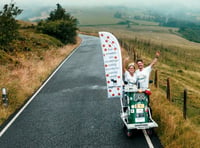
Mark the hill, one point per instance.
(179, 62)
(22, 71)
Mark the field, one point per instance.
(179, 62)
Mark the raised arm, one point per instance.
(155, 59)
(125, 63)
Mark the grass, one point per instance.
(85, 18)
(180, 62)
(28, 69)
(173, 130)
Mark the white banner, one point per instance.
(112, 63)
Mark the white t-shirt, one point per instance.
(143, 77)
(129, 78)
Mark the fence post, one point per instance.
(185, 104)
(131, 50)
(168, 89)
(134, 55)
(156, 79)
(122, 43)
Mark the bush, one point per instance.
(191, 33)
(63, 30)
(60, 25)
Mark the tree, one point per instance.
(118, 15)
(58, 14)
(60, 25)
(9, 26)
(128, 23)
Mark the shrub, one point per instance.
(63, 30)
(60, 25)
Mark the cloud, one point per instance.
(84, 3)
(103, 2)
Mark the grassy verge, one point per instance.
(173, 130)
(23, 71)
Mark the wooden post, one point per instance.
(125, 45)
(185, 104)
(131, 49)
(134, 55)
(168, 90)
(122, 43)
(156, 83)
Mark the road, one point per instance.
(72, 110)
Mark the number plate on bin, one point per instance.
(139, 105)
(140, 119)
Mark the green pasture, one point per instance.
(95, 16)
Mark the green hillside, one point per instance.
(179, 61)
(24, 68)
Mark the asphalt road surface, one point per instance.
(72, 109)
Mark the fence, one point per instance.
(133, 53)
(168, 93)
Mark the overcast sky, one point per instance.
(23, 3)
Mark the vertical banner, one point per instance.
(112, 64)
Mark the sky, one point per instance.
(30, 3)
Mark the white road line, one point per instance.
(29, 101)
(148, 139)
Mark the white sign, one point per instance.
(142, 119)
(112, 63)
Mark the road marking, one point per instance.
(148, 139)
(29, 101)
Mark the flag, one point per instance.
(112, 64)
